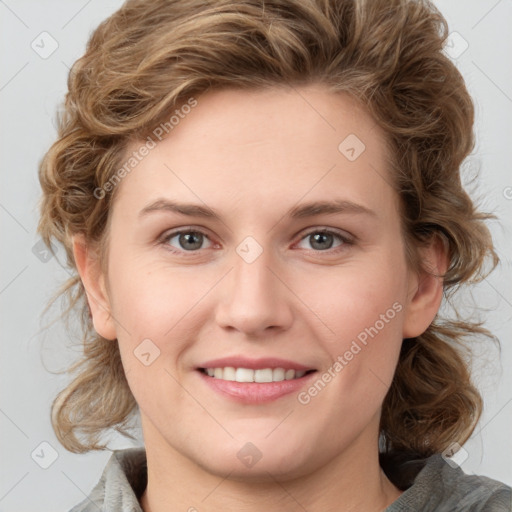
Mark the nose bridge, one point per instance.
(254, 298)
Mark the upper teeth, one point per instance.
(248, 375)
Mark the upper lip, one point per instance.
(254, 364)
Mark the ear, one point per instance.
(88, 266)
(425, 290)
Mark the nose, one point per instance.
(254, 297)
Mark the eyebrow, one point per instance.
(301, 211)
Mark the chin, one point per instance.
(257, 461)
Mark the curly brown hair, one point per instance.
(152, 55)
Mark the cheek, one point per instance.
(154, 310)
(363, 307)
(160, 310)
(152, 298)
(351, 298)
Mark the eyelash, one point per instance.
(346, 241)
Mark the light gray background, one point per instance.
(31, 87)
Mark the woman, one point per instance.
(262, 206)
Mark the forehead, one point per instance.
(263, 149)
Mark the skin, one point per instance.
(252, 156)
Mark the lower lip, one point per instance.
(255, 392)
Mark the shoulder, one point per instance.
(440, 487)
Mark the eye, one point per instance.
(192, 240)
(189, 240)
(323, 240)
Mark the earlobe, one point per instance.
(425, 290)
(88, 266)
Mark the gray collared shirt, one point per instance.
(438, 487)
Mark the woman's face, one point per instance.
(299, 264)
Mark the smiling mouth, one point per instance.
(261, 375)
